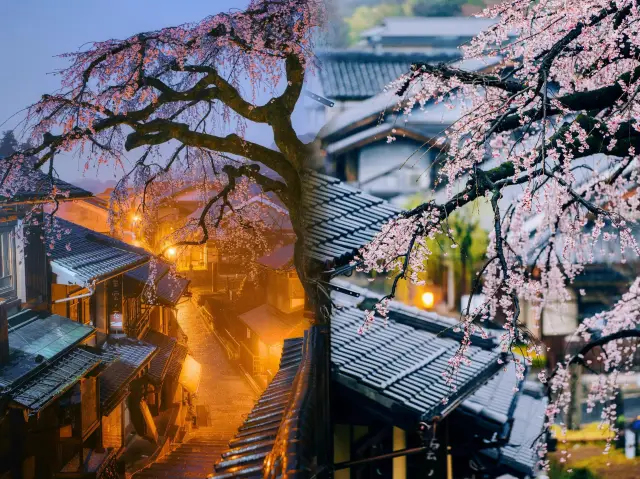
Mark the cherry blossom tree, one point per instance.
(549, 137)
(178, 98)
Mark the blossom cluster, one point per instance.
(554, 127)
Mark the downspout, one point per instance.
(92, 286)
(80, 296)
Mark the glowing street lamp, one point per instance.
(427, 299)
(171, 252)
(135, 219)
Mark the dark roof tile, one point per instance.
(342, 219)
(520, 456)
(126, 357)
(36, 186)
(351, 75)
(177, 360)
(169, 287)
(255, 439)
(57, 378)
(404, 359)
(92, 256)
(160, 363)
(38, 340)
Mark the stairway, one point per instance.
(192, 459)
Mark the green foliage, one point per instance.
(365, 17)
(539, 362)
(436, 8)
(471, 242)
(356, 16)
(557, 471)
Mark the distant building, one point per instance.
(355, 138)
(92, 213)
(106, 283)
(78, 390)
(424, 34)
(280, 317)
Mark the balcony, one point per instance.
(91, 464)
(137, 317)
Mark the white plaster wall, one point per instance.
(408, 172)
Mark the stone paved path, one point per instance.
(223, 390)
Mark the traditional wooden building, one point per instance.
(387, 417)
(261, 331)
(153, 307)
(87, 276)
(130, 298)
(50, 409)
(48, 369)
(394, 415)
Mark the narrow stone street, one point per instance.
(224, 393)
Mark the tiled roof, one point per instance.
(272, 326)
(369, 111)
(401, 364)
(520, 456)
(39, 189)
(160, 363)
(90, 256)
(169, 288)
(256, 437)
(37, 341)
(126, 357)
(492, 405)
(340, 219)
(55, 379)
(458, 28)
(351, 75)
(515, 410)
(422, 132)
(177, 360)
(281, 258)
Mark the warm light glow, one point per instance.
(427, 299)
(190, 374)
(171, 252)
(135, 219)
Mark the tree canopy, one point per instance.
(185, 88)
(549, 137)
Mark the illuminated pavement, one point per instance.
(223, 390)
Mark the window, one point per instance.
(8, 285)
(80, 310)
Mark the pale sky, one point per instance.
(33, 32)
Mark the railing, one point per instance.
(251, 361)
(133, 327)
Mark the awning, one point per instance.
(53, 381)
(190, 374)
